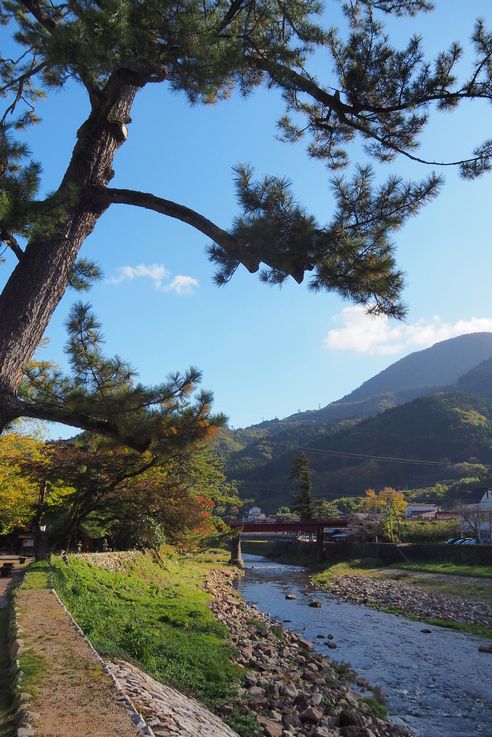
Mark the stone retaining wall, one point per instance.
(387, 552)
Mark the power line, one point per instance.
(366, 456)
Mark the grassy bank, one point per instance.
(155, 615)
(326, 576)
(452, 569)
(6, 718)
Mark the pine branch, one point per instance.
(43, 18)
(172, 209)
(351, 115)
(12, 243)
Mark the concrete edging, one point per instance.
(139, 722)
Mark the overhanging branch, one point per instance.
(180, 212)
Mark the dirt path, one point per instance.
(6, 716)
(73, 697)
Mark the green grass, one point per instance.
(6, 717)
(454, 569)
(33, 667)
(362, 566)
(476, 589)
(377, 708)
(37, 576)
(156, 615)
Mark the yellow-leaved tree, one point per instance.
(18, 491)
(391, 504)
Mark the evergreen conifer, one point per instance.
(205, 49)
(303, 502)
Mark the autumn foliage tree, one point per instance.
(377, 94)
(391, 505)
(132, 498)
(18, 491)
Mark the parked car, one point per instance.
(466, 541)
(453, 540)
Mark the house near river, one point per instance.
(476, 517)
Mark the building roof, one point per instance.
(477, 495)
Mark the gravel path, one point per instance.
(73, 697)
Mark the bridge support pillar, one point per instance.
(320, 536)
(236, 553)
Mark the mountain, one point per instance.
(446, 432)
(419, 374)
(433, 404)
(477, 381)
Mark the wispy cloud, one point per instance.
(362, 333)
(160, 277)
(182, 285)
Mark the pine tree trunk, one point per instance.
(39, 280)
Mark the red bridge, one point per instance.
(317, 526)
(290, 526)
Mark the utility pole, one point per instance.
(38, 528)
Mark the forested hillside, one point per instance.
(442, 431)
(433, 405)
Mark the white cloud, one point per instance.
(364, 333)
(159, 275)
(182, 285)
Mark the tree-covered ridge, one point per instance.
(377, 94)
(478, 380)
(447, 430)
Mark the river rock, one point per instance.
(291, 691)
(315, 603)
(311, 714)
(256, 691)
(270, 727)
(485, 648)
(290, 718)
(305, 643)
(323, 732)
(290, 597)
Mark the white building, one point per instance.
(255, 515)
(476, 519)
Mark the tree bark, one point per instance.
(39, 280)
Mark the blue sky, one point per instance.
(267, 352)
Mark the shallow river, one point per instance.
(438, 684)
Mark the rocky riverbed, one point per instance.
(385, 594)
(292, 690)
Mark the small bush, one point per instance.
(377, 708)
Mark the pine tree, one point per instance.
(300, 475)
(103, 395)
(205, 49)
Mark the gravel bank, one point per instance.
(384, 594)
(293, 691)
